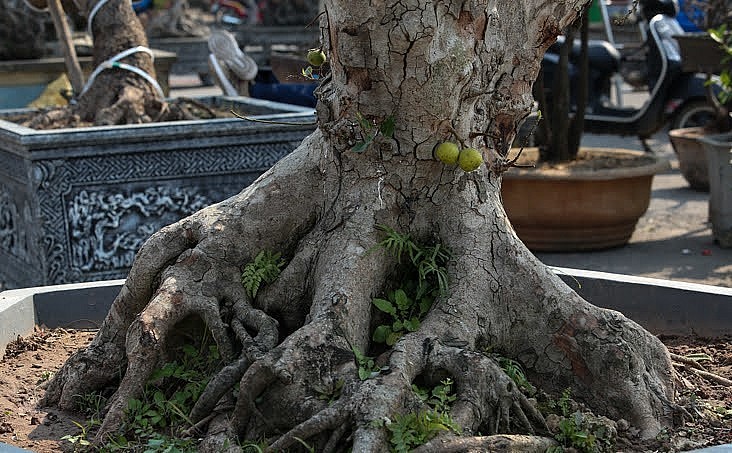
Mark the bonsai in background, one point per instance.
(714, 18)
(115, 96)
(723, 37)
(561, 128)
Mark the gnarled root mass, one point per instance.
(288, 373)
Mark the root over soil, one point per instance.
(29, 362)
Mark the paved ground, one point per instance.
(673, 239)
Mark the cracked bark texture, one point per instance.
(442, 67)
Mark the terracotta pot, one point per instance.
(691, 155)
(560, 209)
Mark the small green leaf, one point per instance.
(360, 147)
(424, 305)
(387, 127)
(380, 333)
(359, 355)
(412, 325)
(363, 373)
(363, 122)
(385, 306)
(402, 300)
(392, 338)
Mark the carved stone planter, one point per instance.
(719, 159)
(75, 204)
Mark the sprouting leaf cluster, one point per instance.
(330, 392)
(370, 130)
(582, 432)
(411, 430)
(405, 313)
(174, 388)
(367, 367)
(724, 39)
(79, 441)
(154, 421)
(440, 398)
(516, 373)
(265, 268)
(423, 278)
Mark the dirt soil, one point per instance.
(29, 362)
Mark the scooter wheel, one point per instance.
(695, 113)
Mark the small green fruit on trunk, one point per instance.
(470, 159)
(316, 57)
(447, 152)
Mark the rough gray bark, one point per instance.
(439, 68)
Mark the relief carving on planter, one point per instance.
(107, 228)
(9, 235)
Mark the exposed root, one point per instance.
(327, 420)
(717, 379)
(147, 336)
(501, 443)
(485, 397)
(205, 258)
(686, 361)
(54, 118)
(225, 380)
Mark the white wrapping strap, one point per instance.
(114, 63)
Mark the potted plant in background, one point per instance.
(575, 198)
(700, 53)
(719, 152)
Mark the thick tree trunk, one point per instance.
(443, 70)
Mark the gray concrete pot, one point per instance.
(719, 161)
(76, 204)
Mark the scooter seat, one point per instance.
(602, 55)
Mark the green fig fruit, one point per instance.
(447, 152)
(470, 159)
(316, 57)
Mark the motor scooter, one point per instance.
(675, 97)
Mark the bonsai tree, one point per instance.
(715, 18)
(360, 265)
